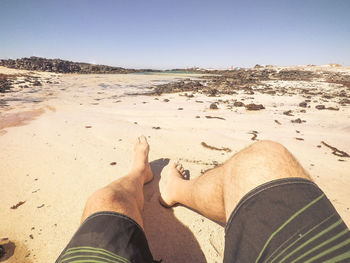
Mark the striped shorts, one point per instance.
(286, 220)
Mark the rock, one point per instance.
(238, 104)
(189, 95)
(320, 107)
(344, 101)
(166, 100)
(254, 107)
(5, 83)
(213, 106)
(303, 104)
(62, 66)
(213, 92)
(288, 113)
(297, 121)
(332, 108)
(37, 83)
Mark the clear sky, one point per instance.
(171, 34)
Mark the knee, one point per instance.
(261, 152)
(266, 146)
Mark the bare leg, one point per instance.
(124, 195)
(216, 193)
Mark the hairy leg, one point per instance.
(216, 193)
(124, 195)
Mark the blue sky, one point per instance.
(176, 34)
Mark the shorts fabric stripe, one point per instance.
(290, 245)
(312, 239)
(344, 243)
(108, 237)
(346, 255)
(95, 250)
(91, 253)
(287, 222)
(92, 257)
(321, 245)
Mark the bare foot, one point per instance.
(141, 164)
(167, 185)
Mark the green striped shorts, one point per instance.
(107, 237)
(286, 220)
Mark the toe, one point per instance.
(175, 164)
(142, 139)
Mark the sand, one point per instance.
(58, 142)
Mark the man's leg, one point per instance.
(287, 220)
(216, 193)
(124, 195)
(111, 226)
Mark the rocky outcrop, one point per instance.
(62, 66)
(5, 83)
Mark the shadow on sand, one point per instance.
(168, 238)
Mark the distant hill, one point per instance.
(64, 66)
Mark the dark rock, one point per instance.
(297, 121)
(213, 106)
(320, 107)
(344, 101)
(5, 83)
(332, 108)
(303, 104)
(288, 113)
(62, 66)
(214, 117)
(213, 92)
(238, 104)
(254, 107)
(37, 83)
(166, 100)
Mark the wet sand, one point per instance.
(58, 142)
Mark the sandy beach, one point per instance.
(64, 139)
